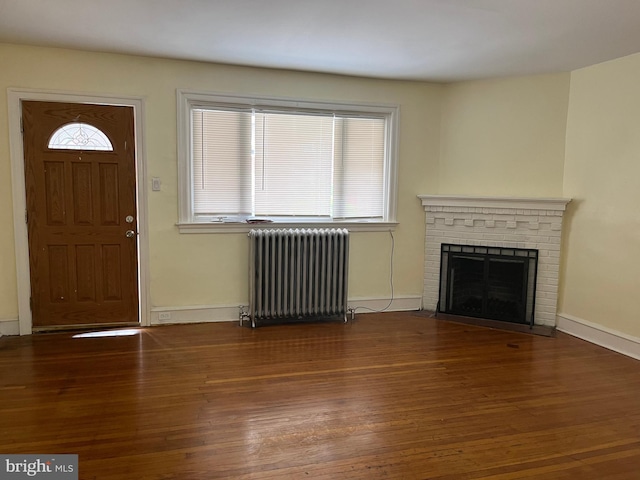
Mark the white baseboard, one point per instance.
(600, 335)
(231, 313)
(9, 326)
(195, 314)
(399, 304)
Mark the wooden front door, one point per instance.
(81, 213)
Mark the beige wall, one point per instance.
(601, 268)
(211, 269)
(494, 137)
(504, 136)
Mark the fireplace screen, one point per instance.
(488, 282)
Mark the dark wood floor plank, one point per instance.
(393, 396)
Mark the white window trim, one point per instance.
(188, 223)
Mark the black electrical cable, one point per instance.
(393, 247)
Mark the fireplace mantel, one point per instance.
(506, 222)
(520, 203)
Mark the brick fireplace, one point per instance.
(505, 222)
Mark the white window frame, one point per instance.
(187, 221)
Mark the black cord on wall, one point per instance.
(393, 247)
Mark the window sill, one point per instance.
(241, 227)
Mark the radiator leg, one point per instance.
(243, 314)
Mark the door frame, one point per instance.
(16, 149)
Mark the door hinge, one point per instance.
(26, 217)
(31, 303)
(21, 125)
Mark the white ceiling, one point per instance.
(435, 40)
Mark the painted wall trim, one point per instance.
(9, 326)
(14, 98)
(526, 203)
(195, 314)
(231, 313)
(398, 304)
(600, 335)
(237, 227)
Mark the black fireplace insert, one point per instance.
(488, 282)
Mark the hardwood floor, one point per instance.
(389, 396)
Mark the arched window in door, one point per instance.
(79, 136)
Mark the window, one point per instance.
(285, 161)
(79, 136)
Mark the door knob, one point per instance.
(130, 233)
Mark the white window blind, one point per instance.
(359, 172)
(293, 165)
(221, 151)
(288, 163)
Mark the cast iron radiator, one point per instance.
(297, 273)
